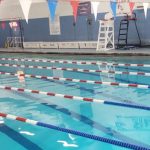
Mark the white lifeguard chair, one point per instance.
(106, 34)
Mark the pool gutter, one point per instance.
(135, 52)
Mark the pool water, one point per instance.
(124, 124)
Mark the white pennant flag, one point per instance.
(25, 5)
(95, 8)
(145, 8)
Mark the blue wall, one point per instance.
(81, 31)
(38, 29)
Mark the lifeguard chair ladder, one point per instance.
(106, 35)
(123, 32)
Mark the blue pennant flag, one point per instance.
(52, 4)
(113, 7)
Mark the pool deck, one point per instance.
(132, 52)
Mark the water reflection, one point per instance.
(133, 123)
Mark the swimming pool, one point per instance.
(114, 123)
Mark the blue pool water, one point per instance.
(128, 125)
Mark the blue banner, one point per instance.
(113, 7)
(52, 4)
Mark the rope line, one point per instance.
(87, 99)
(78, 70)
(79, 80)
(77, 62)
(78, 133)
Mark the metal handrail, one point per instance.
(14, 41)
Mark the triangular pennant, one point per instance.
(145, 5)
(75, 4)
(25, 5)
(52, 4)
(114, 7)
(131, 5)
(95, 8)
(3, 25)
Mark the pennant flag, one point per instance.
(131, 5)
(84, 8)
(25, 5)
(75, 5)
(95, 8)
(52, 4)
(3, 25)
(145, 5)
(114, 8)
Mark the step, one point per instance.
(125, 20)
(124, 23)
(123, 28)
(102, 38)
(123, 34)
(122, 39)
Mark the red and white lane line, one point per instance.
(12, 117)
(77, 62)
(51, 94)
(75, 98)
(80, 81)
(78, 70)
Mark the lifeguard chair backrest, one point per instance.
(108, 16)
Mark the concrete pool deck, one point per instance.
(132, 52)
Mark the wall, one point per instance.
(38, 27)
(81, 31)
(38, 30)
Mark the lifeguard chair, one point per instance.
(123, 32)
(106, 33)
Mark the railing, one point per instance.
(14, 42)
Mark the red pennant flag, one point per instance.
(131, 5)
(75, 5)
(3, 25)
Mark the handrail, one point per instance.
(14, 41)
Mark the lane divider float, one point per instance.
(74, 132)
(77, 62)
(78, 70)
(80, 81)
(76, 98)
